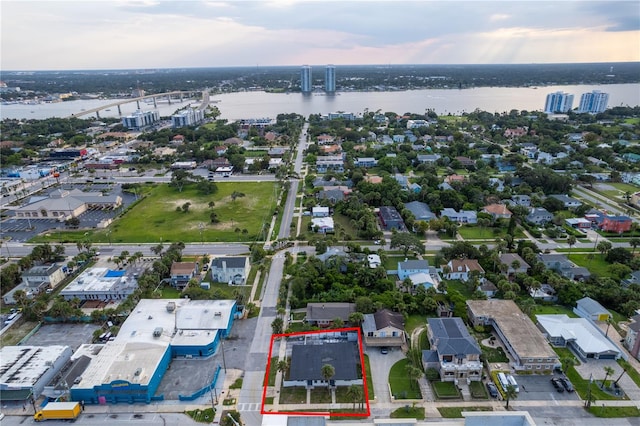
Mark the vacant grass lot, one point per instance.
(401, 386)
(407, 412)
(553, 310)
(155, 218)
(456, 412)
(611, 412)
(477, 233)
(595, 263)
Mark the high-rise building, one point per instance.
(330, 79)
(140, 119)
(558, 102)
(305, 79)
(593, 102)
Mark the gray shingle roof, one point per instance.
(307, 361)
(329, 311)
(232, 262)
(452, 338)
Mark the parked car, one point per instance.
(557, 384)
(492, 389)
(384, 350)
(567, 384)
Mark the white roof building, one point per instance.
(101, 284)
(580, 334)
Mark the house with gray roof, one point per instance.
(591, 310)
(232, 270)
(323, 314)
(539, 216)
(454, 352)
(464, 216)
(420, 210)
(384, 328)
(410, 267)
(568, 202)
(307, 362)
(332, 195)
(563, 266)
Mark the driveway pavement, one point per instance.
(380, 366)
(595, 368)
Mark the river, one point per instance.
(260, 104)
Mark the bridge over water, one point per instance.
(181, 95)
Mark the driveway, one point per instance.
(380, 366)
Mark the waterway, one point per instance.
(260, 104)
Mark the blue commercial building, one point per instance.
(130, 368)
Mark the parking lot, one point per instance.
(22, 230)
(72, 335)
(539, 387)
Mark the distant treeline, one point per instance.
(371, 77)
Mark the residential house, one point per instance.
(35, 280)
(402, 180)
(578, 223)
(365, 162)
(591, 310)
(488, 288)
(634, 278)
(415, 124)
(428, 158)
(454, 352)
(323, 225)
(455, 178)
(632, 339)
(320, 211)
(563, 266)
(323, 314)
(444, 310)
(539, 216)
(545, 293)
(384, 328)
(521, 200)
(508, 259)
(548, 158)
(579, 334)
(526, 345)
(497, 211)
(466, 161)
(422, 279)
(232, 270)
(277, 152)
(374, 261)
(569, 203)
(326, 163)
(515, 133)
(325, 139)
(410, 267)
(420, 210)
(464, 216)
(307, 362)
(332, 195)
(415, 188)
(463, 269)
(182, 272)
(390, 219)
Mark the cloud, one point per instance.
(145, 34)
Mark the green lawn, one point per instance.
(367, 369)
(611, 412)
(390, 263)
(155, 217)
(320, 395)
(273, 369)
(202, 416)
(478, 233)
(494, 354)
(456, 412)
(445, 390)
(424, 341)
(553, 310)
(407, 412)
(414, 321)
(595, 263)
(401, 386)
(293, 395)
(478, 390)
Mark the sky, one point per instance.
(123, 34)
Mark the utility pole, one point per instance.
(588, 401)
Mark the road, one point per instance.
(290, 204)
(250, 398)
(600, 200)
(16, 250)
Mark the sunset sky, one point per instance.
(88, 34)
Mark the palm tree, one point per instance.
(634, 242)
(567, 362)
(608, 372)
(603, 247)
(571, 241)
(356, 394)
(509, 394)
(327, 373)
(414, 374)
(356, 318)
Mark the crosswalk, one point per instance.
(246, 406)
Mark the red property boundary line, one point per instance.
(317, 413)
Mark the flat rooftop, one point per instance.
(148, 332)
(525, 338)
(101, 280)
(22, 366)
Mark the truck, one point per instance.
(58, 411)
